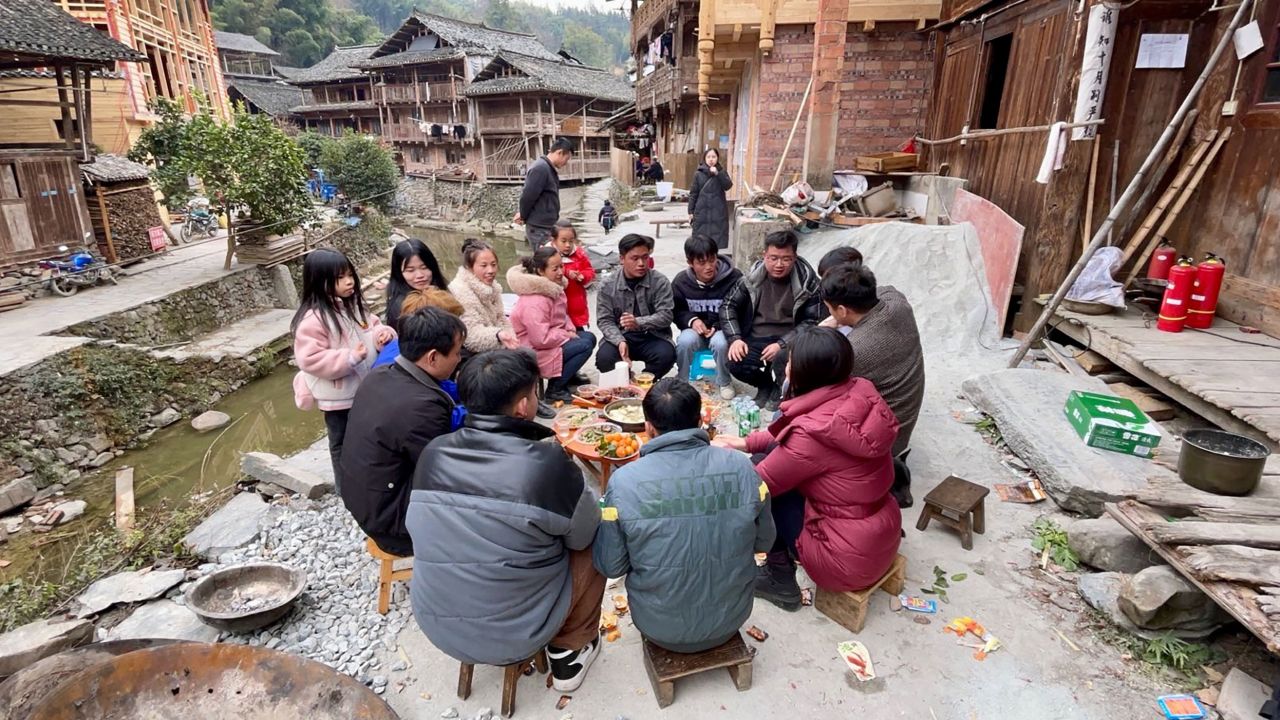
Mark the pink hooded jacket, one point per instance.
(834, 449)
(317, 352)
(541, 319)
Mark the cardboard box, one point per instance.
(1112, 423)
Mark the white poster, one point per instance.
(1098, 45)
(1162, 51)
(1248, 40)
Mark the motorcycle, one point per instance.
(79, 269)
(200, 221)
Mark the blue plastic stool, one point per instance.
(703, 365)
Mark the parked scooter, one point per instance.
(79, 269)
(200, 221)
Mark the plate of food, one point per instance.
(591, 435)
(574, 418)
(629, 414)
(619, 446)
(624, 392)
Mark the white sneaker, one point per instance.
(728, 393)
(569, 667)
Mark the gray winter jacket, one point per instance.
(683, 524)
(540, 198)
(493, 515)
(653, 296)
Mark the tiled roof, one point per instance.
(273, 97)
(240, 42)
(336, 65)
(286, 72)
(353, 105)
(547, 76)
(41, 28)
(113, 168)
(462, 34)
(411, 57)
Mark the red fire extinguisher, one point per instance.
(1204, 292)
(1173, 310)
(1163, 259)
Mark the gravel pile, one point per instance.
(336, 621)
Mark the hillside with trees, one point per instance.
(302, 31)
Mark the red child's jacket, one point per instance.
(576, 290)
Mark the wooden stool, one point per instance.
(849, 609)
(510, 676)
(387, 573)
(956, 503)
(665, 667)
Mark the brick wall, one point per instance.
(884, 95)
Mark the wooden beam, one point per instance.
(868, 25)
(1213, 533)
(737, 32)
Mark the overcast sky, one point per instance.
(598, 4)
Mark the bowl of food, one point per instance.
(619, 446)
(591, 434)
(624, 392)
(604, 396)
(628, 414)
(574, 418)
(587, 392)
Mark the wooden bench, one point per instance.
(657, 230)
(510, 677)
(387, 573)
(665, 667)
(958, 504)
(849, 609)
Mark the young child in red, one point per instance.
(578, 273)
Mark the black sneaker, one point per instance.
(569, 667)
(762, 396)
(545, 411)
(579, 379)
(778, 585)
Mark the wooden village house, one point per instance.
(735, 75)
(242, 55)
(42, 203)
(177, 61)
(335, 96)
(248, 69)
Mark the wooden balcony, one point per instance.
(514, 125)
(649, 13)
(577, 126)
(423, 92)
(583, 166)
(668, 83)
(410, 132)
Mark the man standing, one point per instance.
(881, 326)
(540, 199)
(699, 291)
(502, 525)
(398, 409)
(762, 311)
(634, 311)
(683, 524)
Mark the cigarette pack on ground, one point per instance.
(1113, 423)
(918, 604)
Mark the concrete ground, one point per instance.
(922, 672)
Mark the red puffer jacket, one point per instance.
(834, 449)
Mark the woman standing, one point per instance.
(708, 208)
(476, 288)
(829, 468)
(541, 321)
(413, 267)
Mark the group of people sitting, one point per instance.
(438, 454)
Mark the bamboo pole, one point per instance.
(773, 186)
(1167, 197)
(1127, 196)
(1088, 199)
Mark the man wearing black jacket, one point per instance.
(699, 291)
(398, 409)
(540, 199)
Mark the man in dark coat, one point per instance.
(708, 207)
(398, 409)
(540, 198)
(502, 524)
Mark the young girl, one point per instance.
(541, 321)
(335, 340)
(476, 287)
(413, 267)
(578, 270)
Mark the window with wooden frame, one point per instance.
(997, 52)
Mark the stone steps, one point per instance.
(239, 339)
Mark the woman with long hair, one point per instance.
(708, 207)
(476, 287)
(413, 267)
(829, 467)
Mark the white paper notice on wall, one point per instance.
(1098, 45)
(1248, 40)
(1162, 51)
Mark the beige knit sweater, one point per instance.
(482, 310)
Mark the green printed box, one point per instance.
(1112, 423)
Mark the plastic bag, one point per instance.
(1095, 283)
(800, 193)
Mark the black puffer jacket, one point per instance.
(398, 409)
(739, 307)
(708, 206)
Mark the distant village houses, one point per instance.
(249, 70)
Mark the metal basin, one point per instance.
(246, 597)
(26, 689)
(1220, 462)
(211, 682)
(618, 404)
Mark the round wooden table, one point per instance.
(599, 466)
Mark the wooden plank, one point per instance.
(124, 499)
(1238, 600)
(1093, 363)
(1234, 563)
(1155, 408)
(1216, 533)
(1173, 494)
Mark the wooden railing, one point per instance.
(668, 82)
(533, 122)
(443, 91)
(411, 132)
(646, 15)
(579, 125)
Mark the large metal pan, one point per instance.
(26, 689)
(1221, 462)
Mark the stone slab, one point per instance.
(126, 587)
(40, 639)
(1028, 409)
(163, 619)
(1105, 544)
(265, 467)
(234, 525)
(1242, 696)
(239, 339)
(16, 493)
